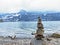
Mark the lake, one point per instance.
(24, 29)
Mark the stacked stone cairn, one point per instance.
(40, 30)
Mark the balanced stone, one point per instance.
(40, 30)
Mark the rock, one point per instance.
(55, 35)
(49, 39)
(40, 30)
(12, 37)
(39, 37)
(36, 42)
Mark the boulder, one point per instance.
(55, 35)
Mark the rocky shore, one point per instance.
(48, 40)
(16, 41)
(53, 39)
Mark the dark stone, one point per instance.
(39, 37)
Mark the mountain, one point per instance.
(30, 16)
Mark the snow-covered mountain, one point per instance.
(30, 16)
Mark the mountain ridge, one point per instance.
(24, 15)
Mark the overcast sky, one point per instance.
(17, 5)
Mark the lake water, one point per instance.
(24, 29)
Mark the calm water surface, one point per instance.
(24, 29)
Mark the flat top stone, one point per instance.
(36, 42)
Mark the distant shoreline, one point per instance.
(30, 21)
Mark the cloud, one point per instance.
(44, 5)
(10, 5)
(16, 5)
